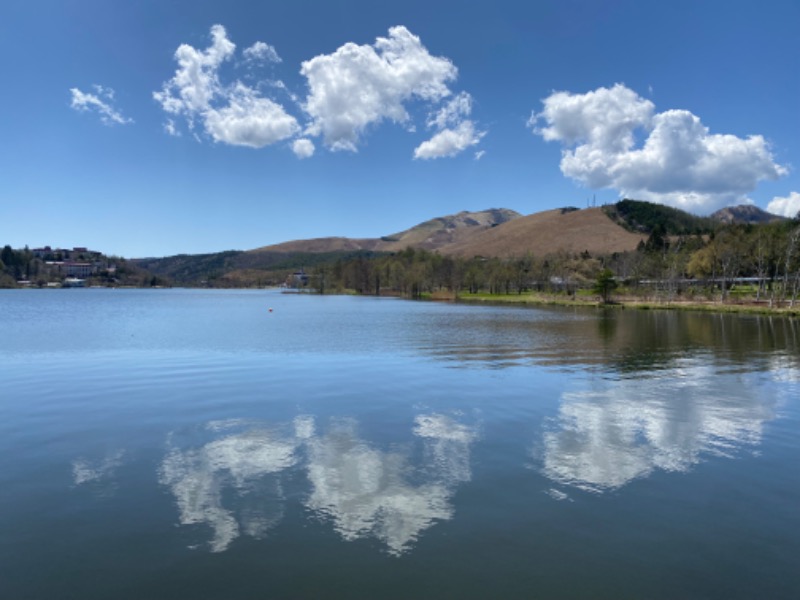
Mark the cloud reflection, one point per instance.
(604, 438)
(366, 491)
(232, 482)
(88, 471)
(242, 460)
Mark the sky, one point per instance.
(155, 128)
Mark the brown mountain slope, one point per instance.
(442, 231)
(326, 244)
(547, 232)
(429, 235)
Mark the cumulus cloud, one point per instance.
(233, 114)
(452, 113)
(249, 120)
(679, 162)
(303, 148)
(456, 132)
(100, 103)
(359, 86)
(262, 52)
(786, 207)
(350, 90)
(449, 142)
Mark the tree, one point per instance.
(605, 284)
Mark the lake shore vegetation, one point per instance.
(742, 268)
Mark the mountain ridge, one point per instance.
(428, 235)
(496, 232)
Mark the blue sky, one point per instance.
(154, 128)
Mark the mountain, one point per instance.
(743, 214)
(565, 229)
(430, 235)
(269, 264)
(499, 233)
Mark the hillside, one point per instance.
(316, 245)
(547, 232)
(643, 217)
(442, 231)
(271, 264)
(430, 235)
(744, 214)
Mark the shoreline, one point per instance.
(534, 299)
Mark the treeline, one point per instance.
(757, 262)
(237, 269)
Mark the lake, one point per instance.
(253, 444)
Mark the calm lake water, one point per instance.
(195, 444)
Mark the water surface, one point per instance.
(195, 444)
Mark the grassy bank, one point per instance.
(540, 299)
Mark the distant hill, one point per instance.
(643, 217)
(744, 214)
(270, 264)
(236, 267)
(430, 235)
(547, 232)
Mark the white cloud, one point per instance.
(449, 142)
(196, 81)
(358, 86)
(349, 90)
(479, 154)
(261, 51)
(456, 132)
(233, 114)
(170, 128)
(303, 148)
(680, 162)
(249, 120)
(452, 113)
(786, 207)
(99, 103)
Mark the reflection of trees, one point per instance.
(602, 439)
(623, 340)
(232, 482)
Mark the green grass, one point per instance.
(591, 300)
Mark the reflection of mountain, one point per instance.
(242, 461)
(232, 483)
(367, 491)
(605, 438)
